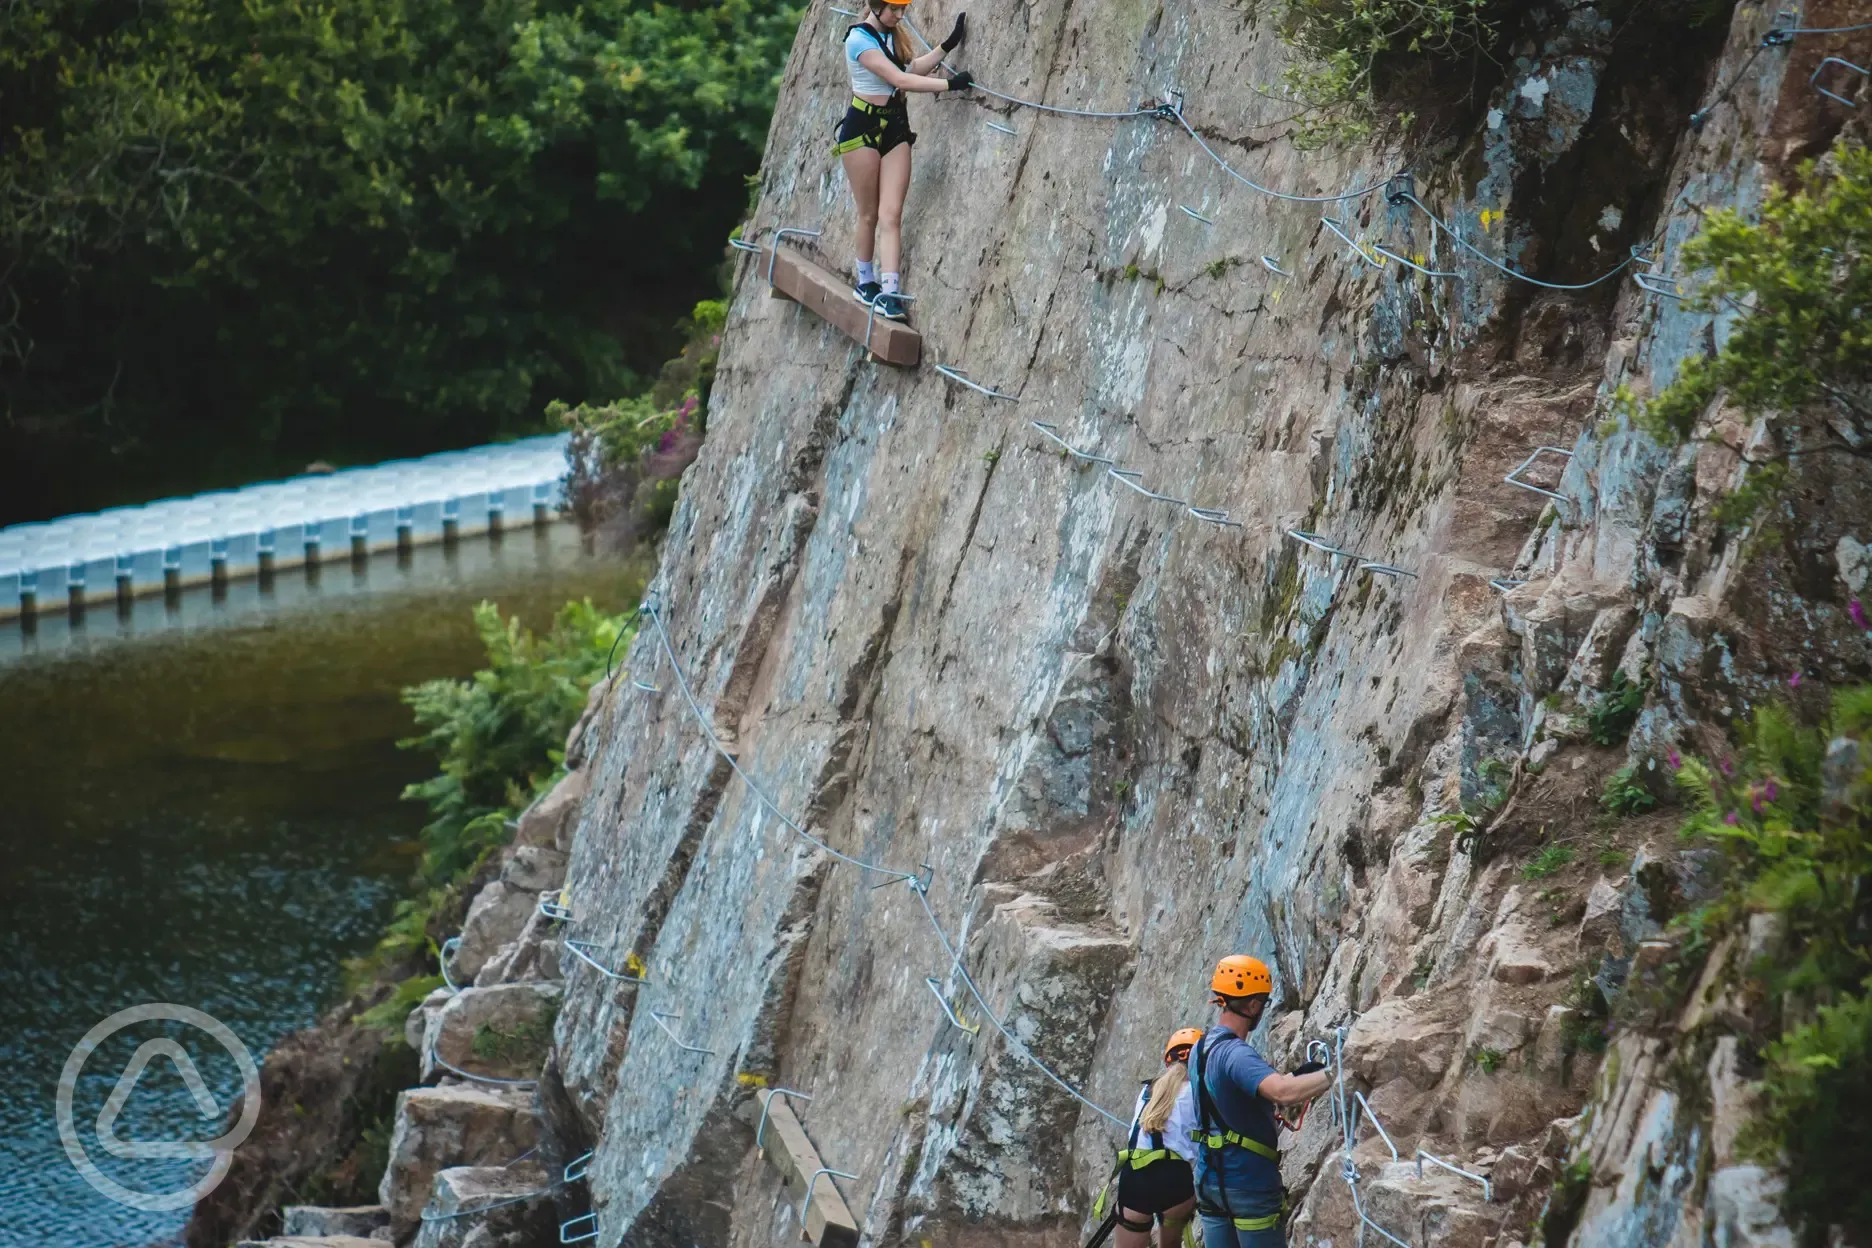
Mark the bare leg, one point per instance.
(892, 185)
(1170, 1233)
(1125, 1237)
(861, 170)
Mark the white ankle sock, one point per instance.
(889, 281)
(867, 272)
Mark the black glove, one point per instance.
(957, 35)
(1307, 1068)
(962, 81)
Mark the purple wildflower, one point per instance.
(1675, 759)
(1858, 614)
(1771, 791)
(666, 441)
(688, 404)
(1725, 766)
(1794, 681)
(1755, 799)
(1732, 818)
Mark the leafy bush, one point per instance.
(1625, 794)
(389, 1014)
(1611, 718)
(1798, 838)
(1803, 274)
(499, 735)
(1351, 49)
(1489, 1060)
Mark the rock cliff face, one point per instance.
(1110, 740)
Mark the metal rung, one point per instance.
(1126, 476)
(1214, 515)
(590, 1232)
(1319, 543)
(1666, 286)
(1813, 79)
(995, 125)
(576, 1168)
(579, 950)
(1513, 478)
(449, 946)
(1488, 1189)
(1339, 229)
(1505, 584)
(954, 1019)
(1191, 212)
(956, 374)
(1052, 432)
(810, 1193)
(1273, 266)
(657, 1017)
(760, 1131)
(638, 684)
(1379, 1126)
(1412, 264)
(556, 906)
(1385, 569)
(779, 234)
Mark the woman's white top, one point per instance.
(1179, 1130)
(863, 82)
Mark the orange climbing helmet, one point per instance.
(1239, 975)
(1182, 1038)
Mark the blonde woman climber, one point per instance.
(874, 140)
(1154, 1177)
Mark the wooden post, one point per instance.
(829, 1223)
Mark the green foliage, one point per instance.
(1489, 1060)
(1803, 272)
(1468, 828)
(498, 735)
(1351, 49)
(1798, 838)
(1625, 794)
(1762, 488)
(389, 1014)
(1818, 1093)
(1550, 859)
(290, 222)
(525, 1045)
(1611, 718)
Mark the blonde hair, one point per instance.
(1165, 1089)
(900, 42)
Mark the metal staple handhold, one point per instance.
(779, 234)
(1657, 285)
(1412, 264)
(1126, 475)
(1191, 212)
(1505, 584)
(995, 125)
(1052, 432)
(1382, 1133)
(1488, 1189)
(813, 1182)
(459, 1073)
(1319, 543)
(1513, 478)
(871, 314)
(657, 1017)
(936, 991)
(565, 1229)
(1384, 569)
(555, 906)
(956, 374)
(449, 946)
(638, 684)
(1272, 266)
(1364, 255)
(760, 1131)
(579, 950)
(741, 244)
(1813, 78)
(580, 1163)
(1214, 515)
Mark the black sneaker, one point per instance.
(891, 308)
(867, 292)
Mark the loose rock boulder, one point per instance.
(437, 1128)
(501, 1032)
(511, 1220)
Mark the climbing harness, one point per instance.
(1213, 1139)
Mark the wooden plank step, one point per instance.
(829, 1222)
(797, 278)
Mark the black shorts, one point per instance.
(1164, 1184)
(882, 127)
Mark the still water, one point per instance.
(199, 805)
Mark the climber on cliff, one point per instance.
(1238, 1185)
(874, 140)
(1154, 1179)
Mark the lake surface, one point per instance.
(199, 805)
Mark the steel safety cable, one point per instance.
(1108, 115)
(708, 730)
(1510, 270)
(916, 883)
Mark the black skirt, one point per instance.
(1164, 1184)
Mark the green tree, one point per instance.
(295, 227)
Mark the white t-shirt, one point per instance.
(1180, 1127)
(863, 82)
